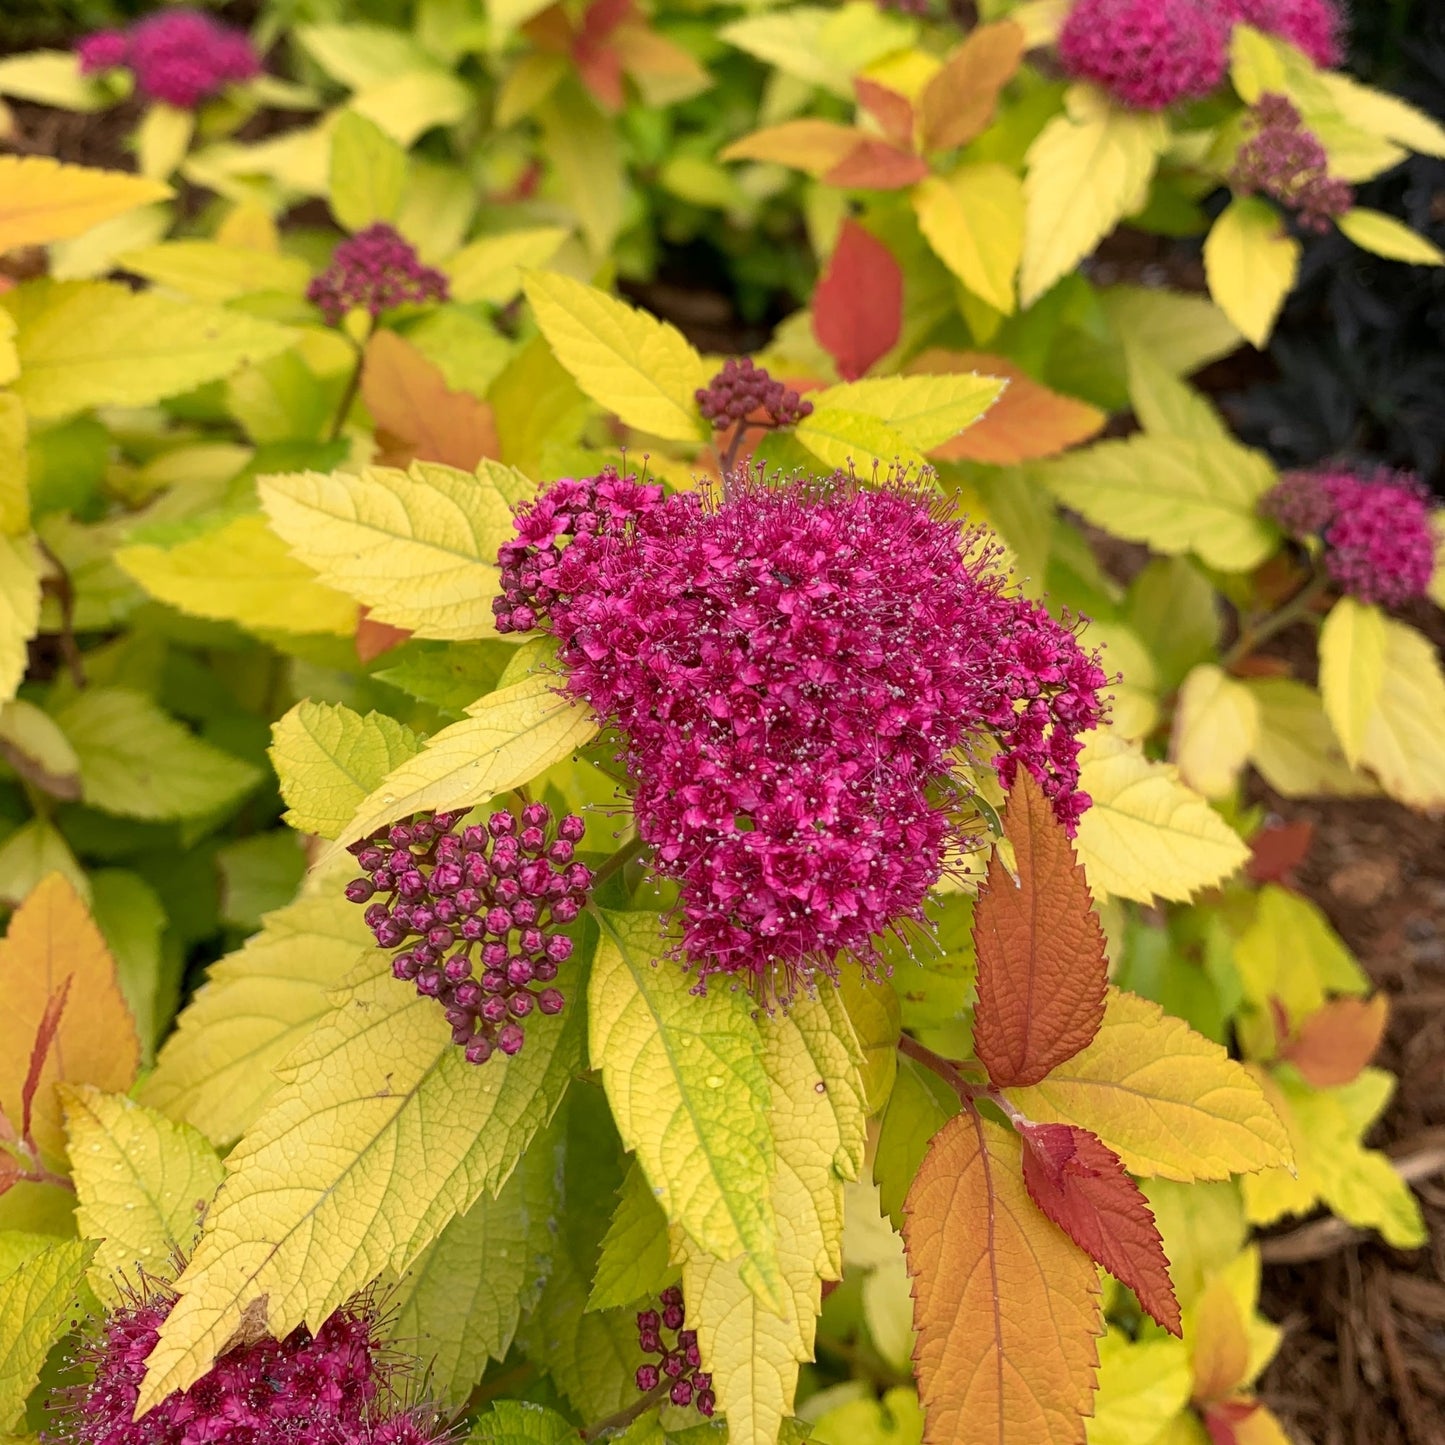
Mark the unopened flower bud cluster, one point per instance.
(742, 390)
(375, 270)
(679, 1361)
(1284, 160)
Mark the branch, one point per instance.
(629, 1413)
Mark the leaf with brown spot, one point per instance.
(959, 101)
(1042, 972)
(418, 417)
(877, 165)
(1006, 1306)
(1028, 422)
(1335, 1042)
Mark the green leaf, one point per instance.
(138, 762)
(360, 55)
(1250, 262)
(368, 170)
(133, 920)
(850, 439)
(490, 268)
(462, 1301)
(634, 1262)
(14, 455)
(919, 1106)
(896, 1419)
(1181, 332)
(1143, 1385)
(689, 1094)
(1385, 236)
(1288, 952)
(520, 1422)
(1176, 493)
(1174, 612)
(582, 144)
(52, 77)
(872, 1009)
(641, 368)
(383, 1133)
(36, 1300)
(925, 411)
(19, 609)
(451, 676)
(142, 1182)
(418, 547)
(95, 343)
(509, 737)
(31, 853)
(1166, 405)
(328, 758)
(1086, 171)
(974, 221)
(259, 874)
(218, 1069)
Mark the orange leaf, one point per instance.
(858, 302)
(1042, 973)
(877, 165)
(892, 111)
(1026, 423)
(374, 638)
(1275, 852)
(1081, 1184)
(1336, 1041)
(45, 1032)
(53, 943)
(1220, 1345)
(959, 101)
(814, 146)
(1006, 1305)
(419, 417)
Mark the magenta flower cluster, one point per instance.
(1315, 26)
(337, 1387)
(680, 1362)
(1284, 159)
(742, 389)
(376, 270)
(180, 57)
(490, 900)
(794, 671)
(1378, 542)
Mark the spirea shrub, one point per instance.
(1148, 54)
(178, 56)
(375, 270)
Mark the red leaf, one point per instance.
(1081, 1184)
(1042, 972)
(892, 111)
(374, 638)
(45, 1032)
(877, 165)
(1275, 852)
(1335, 1042)
(858, 305)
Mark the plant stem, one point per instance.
(619, 860)
(626, 1416)
(949, 1072)
(64, 591)
(1251, 635)
(353, 385)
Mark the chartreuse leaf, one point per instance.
(138, 762)
(210, 271)
(689, 1093)
(1250, 262)
(55, 969)
(380, 1134)
(641, 368)
(1086, 171)
(462, 1300)
(818, 1123)
(36, 748)
(1143, 1385)
(42, 200)
(1385, 236)
(1352, 671)
(368, 171)
(1006, 1306)
(634, 1261)
(1216, 726)
(1167, 1100)
(871, 1244)
(328, 758)
(19, 608)
(919, 1106)
(510, 737)
(1178, 494)
(849, 439)
(418, 547)
(1289, 952)
(924, 410)
(974, 221)
(14, 454)
(873, 1012)
(36, 1299)
(490, 268)
(1202, 1226)
(1147, 835)
(522, 1422)
(217, 1070)
(1296, 750)
(142, 1180)
(896, 1419)
(96, 343)
(241, 572)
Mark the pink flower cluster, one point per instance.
(1376, 530)
(680, 1362)
(795, 670)
(337, 1387)
(376, 269)
(1285, 160)
(180, 57)
(741, 388)
(1150, 54)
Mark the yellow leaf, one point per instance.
(328, 758)
(924, 410)
(42, 200)
(35, 747)
(1142, 1385)
(1086, 172)
(368, 171)
(217, 1069)
(96, 343)
(1352, 671)
(1289, 952)
(1218, 1344)
(1385, 236)
(1166, 1100)
(1216, 725)
(379, 1135)
(641, 368)
(240, 573)
(162, 139)
(210, 271)
(1164, 403)
(14, 468)
(1006, 1305)
(19, 609)
(1383, 114)
(490, 268)
(1404, 736)
(813, 146)
(142, 1182)
(686, 1083)
(418, 547)
(1250, 262)
(845, 439)
(1296, 750)
(974, 221)
(1147, 835)
(35, 1300)
(54, 953)
(509, 737)
(1134, 708)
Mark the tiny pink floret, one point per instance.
(1148, 54)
